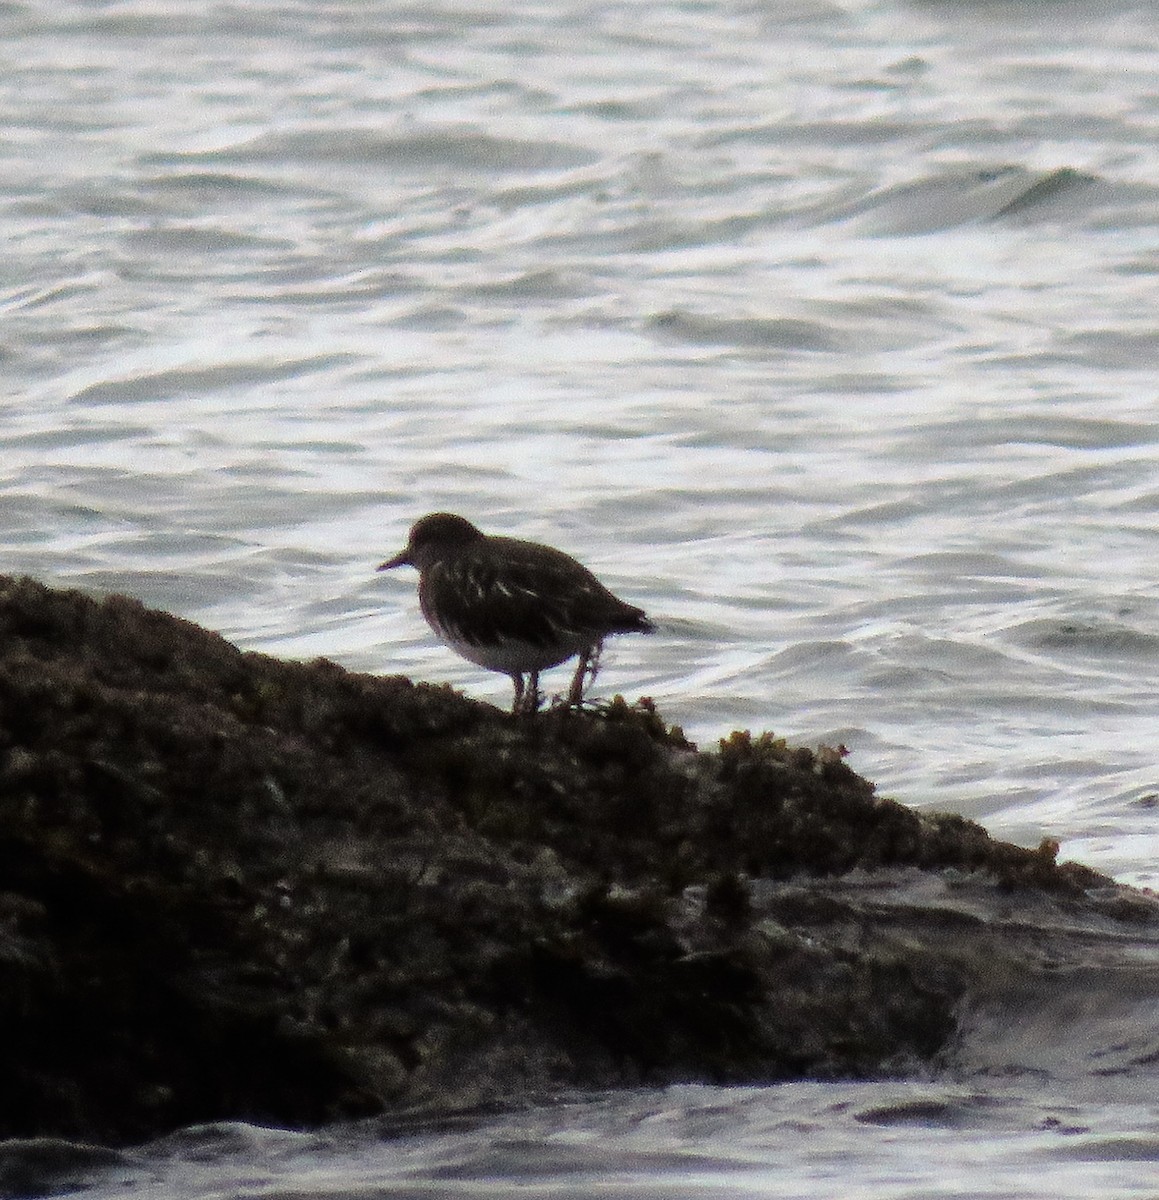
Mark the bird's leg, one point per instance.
(589, 665)
(526, 696)
(575, 694)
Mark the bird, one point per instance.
(512, 606)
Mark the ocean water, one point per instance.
(798, 1142)
(823, 329)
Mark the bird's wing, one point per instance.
(542, 600)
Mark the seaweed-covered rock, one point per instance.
(235, 887)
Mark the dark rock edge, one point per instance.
(233, 887)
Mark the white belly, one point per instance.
(511, 657)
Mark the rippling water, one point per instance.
(824, 330)
(798, 1142)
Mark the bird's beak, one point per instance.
(401, 559)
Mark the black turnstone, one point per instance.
(512, 606)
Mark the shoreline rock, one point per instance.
(233, 887)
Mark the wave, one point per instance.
(966, 197)
(419, 147)
(772, 333)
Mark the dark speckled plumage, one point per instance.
(512, 606)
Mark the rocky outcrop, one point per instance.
(236, 887)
